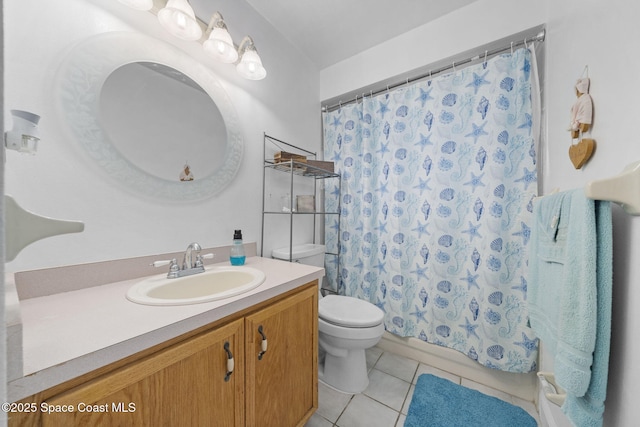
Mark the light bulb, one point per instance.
(220, 46)
(181, 21)
(250, 66)
(178, 18)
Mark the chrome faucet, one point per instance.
(190, 264)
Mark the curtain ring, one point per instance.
(485, 57)
(511, 48)
(454, 67)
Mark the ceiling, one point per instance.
(329, 31)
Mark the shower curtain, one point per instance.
(435, 199)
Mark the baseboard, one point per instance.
(523, 386)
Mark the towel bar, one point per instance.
(623, 189)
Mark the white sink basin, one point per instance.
(214, 284)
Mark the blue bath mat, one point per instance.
(440, 403)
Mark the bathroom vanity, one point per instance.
(203, 364)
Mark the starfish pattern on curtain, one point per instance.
(437, 183)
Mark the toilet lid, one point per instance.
(349, 311)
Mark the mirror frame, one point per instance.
(79, 84)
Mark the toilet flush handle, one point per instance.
(264, 343)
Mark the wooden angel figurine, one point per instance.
(582, 110)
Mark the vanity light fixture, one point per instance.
(138, 4)
(178, 18)
(250, 65)
(219, 44)
(24, 136)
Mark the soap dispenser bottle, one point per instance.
(237, 249)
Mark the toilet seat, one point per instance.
(349, 312)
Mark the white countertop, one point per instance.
(69, 334)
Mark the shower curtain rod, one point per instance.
(487, 53)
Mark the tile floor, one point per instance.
(386, 401)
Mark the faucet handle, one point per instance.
(163, 262)
(173, 267)
(199, 259)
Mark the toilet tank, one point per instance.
(308, 253)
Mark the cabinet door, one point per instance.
(183, 385)
(282, 383)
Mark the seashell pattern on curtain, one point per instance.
(438, 179)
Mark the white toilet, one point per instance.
(347, 327)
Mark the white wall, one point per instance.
(597, 34)
(602, 35)
(478, 24)
(3, 329)
(62, 182)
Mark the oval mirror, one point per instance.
(147, 107)
(167, 131)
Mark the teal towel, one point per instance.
(587, 411)
(570, 296)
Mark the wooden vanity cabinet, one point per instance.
(187, 383)
(282, 382)
(179, 386)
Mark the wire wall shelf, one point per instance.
(300, 169)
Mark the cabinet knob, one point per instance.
(230, 362)
(263, 344)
